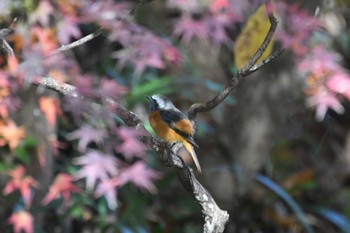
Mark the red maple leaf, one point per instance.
(188, 28)
(300, 26)
(140, 175)
(23, 183)
(324, 100)
(68, 28)
(112, 89)
(319, 62)
(339, 82)
(87, 134)
(22, 221)
(218, 5)
(106, 12)
(108, 189)
(61, 186)
(96, 166)
(131, 145)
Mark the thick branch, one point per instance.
(215, 218)
(248, 69)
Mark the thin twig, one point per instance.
(271, 58)
(267, 40)
(248, 69)
(7, 48)
(3, 34)
(77, 43)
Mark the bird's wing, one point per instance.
(178, 121)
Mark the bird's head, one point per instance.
(160, 102)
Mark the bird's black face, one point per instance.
(153, 103)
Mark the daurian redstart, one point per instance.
(171, 124)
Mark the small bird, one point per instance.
(172, 125)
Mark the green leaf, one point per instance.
(77, 212)
(5, 167)
(267, 182)
(24, 151)
(135, 202)
(102, 207)
(155, 86)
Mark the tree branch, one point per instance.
(248, 69)
(3, 34)
(215, 218)
(77, 43)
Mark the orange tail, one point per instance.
(190, 149)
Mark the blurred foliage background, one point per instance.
(275, 154)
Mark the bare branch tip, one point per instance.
(14, 20)
(77, 43)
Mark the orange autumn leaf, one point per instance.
(61, 186)
(50, 107)
(11, 134)
(4, 87)
(17, 42)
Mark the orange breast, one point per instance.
(162, 130)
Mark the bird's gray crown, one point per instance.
(161, 102)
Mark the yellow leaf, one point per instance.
(251, 37)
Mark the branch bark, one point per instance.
(76, 43)
(248, 69)
(3, 34)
